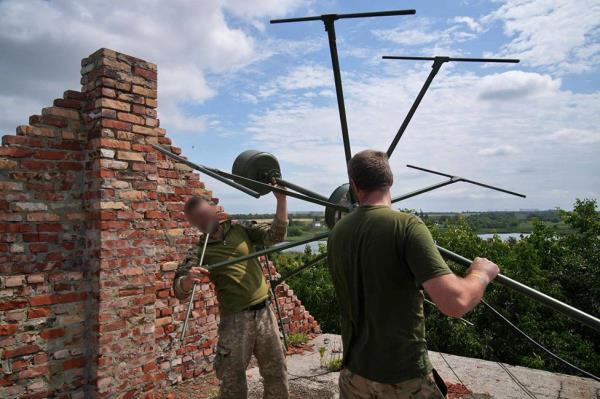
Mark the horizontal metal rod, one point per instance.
(463, 179)
(269, 250)
(300, 269)
(345, 16)
(423, 190)
(300, 189)
(207, 171)
(538, 296)
(500, 60)
(280, 190)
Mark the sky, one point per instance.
(229, 81)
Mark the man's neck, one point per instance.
(380, 197)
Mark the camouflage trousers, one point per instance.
(241, 335)
(353, 386)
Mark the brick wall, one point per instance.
(91, 231)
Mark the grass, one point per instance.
(296, 339)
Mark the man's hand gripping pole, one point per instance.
(191, 304)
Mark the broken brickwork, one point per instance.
(91, 231)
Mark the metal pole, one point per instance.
(224, 177)
(463, 179)
(285, 343)
(206, 171)
(282, 191)
(537, 296)
(300, 189)
(346, 16)
(437, 64)
(268, 251)
(423, 190)
(191, 304)
(496, 60)
(337, 77)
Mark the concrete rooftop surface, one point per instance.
(482, 378)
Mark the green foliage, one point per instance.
(559, 259)
(297, 339)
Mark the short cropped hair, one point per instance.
(192, 203)
(370, 170)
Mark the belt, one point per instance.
(257, 306)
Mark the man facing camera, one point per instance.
(247, 323)
(380, 261)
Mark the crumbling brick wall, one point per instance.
(91, 231)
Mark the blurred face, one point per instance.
(202, 216)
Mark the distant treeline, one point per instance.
(480, 222)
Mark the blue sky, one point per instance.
(230, 81)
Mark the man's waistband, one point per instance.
(258, 306)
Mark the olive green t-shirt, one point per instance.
(378, 259)
(241, 284)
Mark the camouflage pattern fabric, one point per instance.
(242, 335)
(353, 386)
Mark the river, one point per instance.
(314, 246)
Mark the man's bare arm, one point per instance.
(453, 295)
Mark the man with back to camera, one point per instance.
(379, 259)
(247, 323)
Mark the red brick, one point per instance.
(52, 333)
(77, 362)
(23, 350)
(67, 103)
(15, 152)
(74, 95)
(41, 300)
(47, 120)
(150, 75)
(22, 140)
(53, 155)
(49, 227)
(113, 124)
(14, 304)
(112, 143)
(8, 329)
(39, 312)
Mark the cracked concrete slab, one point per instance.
(485, 379)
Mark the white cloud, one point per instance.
(501, 150)
(421, 32)
(305, 76)
(42, 43)
(513, 85)
(561, 34)
(470, 22)
(575, 136)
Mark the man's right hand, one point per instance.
(194, 275)
(484, 268)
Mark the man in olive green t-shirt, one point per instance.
(247, 324)
(380, 260)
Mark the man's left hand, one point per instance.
(278, 196)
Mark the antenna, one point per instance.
(435, 68)
(329, 22)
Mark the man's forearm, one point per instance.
(473, 287)
(281, 211)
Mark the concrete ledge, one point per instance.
(485, 379)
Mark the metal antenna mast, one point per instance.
(435, 68)
(329, 22)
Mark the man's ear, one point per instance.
(354, 189)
